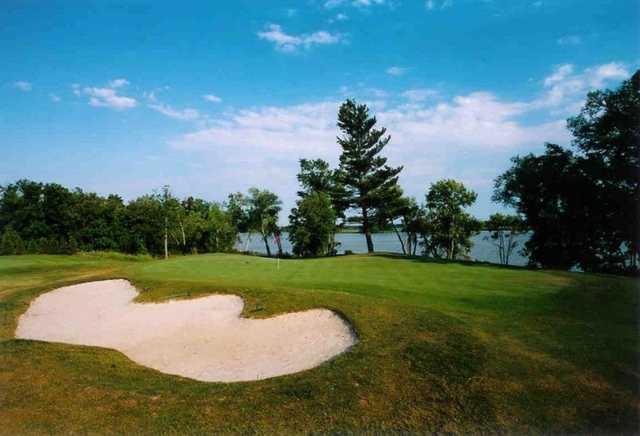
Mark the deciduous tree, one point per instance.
(449, 227)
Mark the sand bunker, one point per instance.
(203, 338)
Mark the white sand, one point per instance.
(203, 338)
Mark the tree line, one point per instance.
(579, 205)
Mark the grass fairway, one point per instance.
(444, 347)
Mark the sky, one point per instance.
(215, 97)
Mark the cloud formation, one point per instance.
(106, 97)
(396, 71)
(330, 4)
(23, 86)
(567, 88)
(289, 43)
(432, 139)
(431, 5)
(118, 83)
(212, 98)
(187, 114)
(419, 94)
(569, 40)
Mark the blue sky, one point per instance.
(211, 98)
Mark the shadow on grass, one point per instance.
(435, 260)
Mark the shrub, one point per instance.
(11, 242)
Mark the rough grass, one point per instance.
(444, 347)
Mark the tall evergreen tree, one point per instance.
(368, 180)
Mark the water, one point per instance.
(482, 250)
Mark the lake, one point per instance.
(482, 250)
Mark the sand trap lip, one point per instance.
(204, 338)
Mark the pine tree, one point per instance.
(369, 181)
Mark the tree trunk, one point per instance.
(166, 238)
(452, 253)
(366, 231)
(395, 229)
(509, 248)
(266, 245)
(184, 237)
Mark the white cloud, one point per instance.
(291, 12)
(569, 40)
(152, 95)
(23, 86)
(432, 5)
(469, 137)
(118, 83)
(331, 4)
(187, 114)
(376, 92)
(475, 121)
(430, 140)
(560, 73)
(339, 17)
(290, 43)
(365, 3)
(419, 94)
(212, 98)
(107, 97)
(396, 71)
(566, 88)
(301, 127)
(54, 98)
(599, 75)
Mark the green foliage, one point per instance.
(238, 207)
(316, 176)
(406, 218)
(582, 207)
(367, 179)
(448, 227)
(11, 242)
(48, 218)
(262, 215)
(220, 231)
(313, 225)
(313, 221)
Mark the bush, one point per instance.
(11, 242)
(312, 225)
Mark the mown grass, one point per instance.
(444, 347)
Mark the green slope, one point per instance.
(443, 347)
